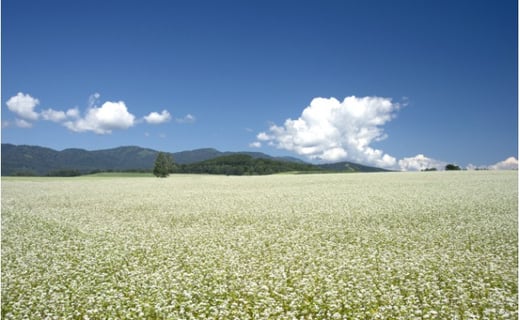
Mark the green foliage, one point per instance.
(450, 167)
(64, 173)
(38, 161)
(44, 161)
(24, 173)
(163, 165)
(346, 166)
(242, 164)
(120, 174)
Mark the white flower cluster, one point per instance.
(439, 245)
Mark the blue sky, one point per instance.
(377, 82)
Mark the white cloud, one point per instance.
(72, 113)
(156, 118)
(420, 162)
(23, 105)
(262, 136)
(186, 119)
(58, 115)
(53, 115)
(256, 144)
(510, 163)
(102, 120)
(21, 123)
(331, 130)
(93, 100)
(471, 166)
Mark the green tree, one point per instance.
(452, 167)
(163, 165)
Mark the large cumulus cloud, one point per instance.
(333, 130)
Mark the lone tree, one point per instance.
(452, 167)
(163, 165)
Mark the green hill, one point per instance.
(346, 166)
(244, 164)
(35, 160)
(40, 161)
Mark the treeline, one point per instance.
(236, 165)
(74, 172)
(241, 164)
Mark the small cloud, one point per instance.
(471, 166)
(420, 162)
(93, 100)
(23, 105)
(510, 163)
(262, 136)
(186, 119)
(53, 115)
(147, 134)
(21, 123)
(256, 144)
(162, 135)
(156, 118)
(102, 120)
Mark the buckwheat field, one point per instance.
(439, 245)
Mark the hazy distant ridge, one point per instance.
(38, 160)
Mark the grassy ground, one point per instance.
(437, 245)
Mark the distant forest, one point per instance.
(241, 164)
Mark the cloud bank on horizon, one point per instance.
(332, 130)
(111, 115)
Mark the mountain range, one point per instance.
(36, 160)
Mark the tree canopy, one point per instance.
(163, 165)
(241, 164)
(452, 167)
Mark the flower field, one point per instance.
(429, 245)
